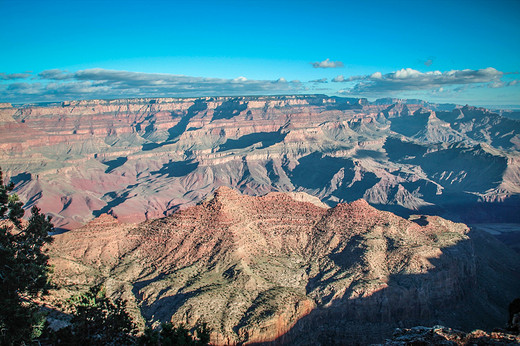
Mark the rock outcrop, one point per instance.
(139, 159)
(440, 335)
(280, 268)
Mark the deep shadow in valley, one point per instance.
(115, 199)
(470, 287)
(229, 109)
(467, 211)
(409, 126)
(177, 130)
(453, 189)
(177, 168)
(267, 139)
(116, 163)
(316, 170)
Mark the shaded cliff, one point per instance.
(140, 159)
(282, 269)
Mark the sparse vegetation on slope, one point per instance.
(274, 268)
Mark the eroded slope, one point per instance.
(144, 158)
(278, 268)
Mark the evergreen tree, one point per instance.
(173, 336)
(96, 320)
(24, 268)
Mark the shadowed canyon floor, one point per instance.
(285, 268)
(140, 159)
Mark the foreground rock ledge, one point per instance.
(282, 268)
(439, 335)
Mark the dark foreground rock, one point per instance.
(439, 335)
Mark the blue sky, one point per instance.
(442, 51)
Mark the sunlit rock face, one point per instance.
(285, 268)
(139, 159)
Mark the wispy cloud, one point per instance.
(11, 76)
(101, 83)
(501, 84)
(410, 79)
(321, 80)
(327, 63)
(57, 85)
(341, 78)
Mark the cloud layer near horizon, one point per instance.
(11, 76)
(96, 83)
(409, 79)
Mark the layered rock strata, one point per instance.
(139, 159)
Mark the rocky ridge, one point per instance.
(275, 268)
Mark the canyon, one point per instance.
(140, 159)
(277, 219)
(285, 268)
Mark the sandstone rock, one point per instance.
(140, 159)
(277, 269)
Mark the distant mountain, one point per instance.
(285, 268)
(140, 159)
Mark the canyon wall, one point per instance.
(279, 269)
(139, 159)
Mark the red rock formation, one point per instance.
(140, 159)
(269, 268)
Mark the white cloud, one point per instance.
(339, 78)
(327, 63)
(95, 83)
(54, 74)
(410, 79)
(376, 75)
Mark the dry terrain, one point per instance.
(140, 159)
(284, 267)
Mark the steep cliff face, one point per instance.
(279, 267)
(144, 158)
